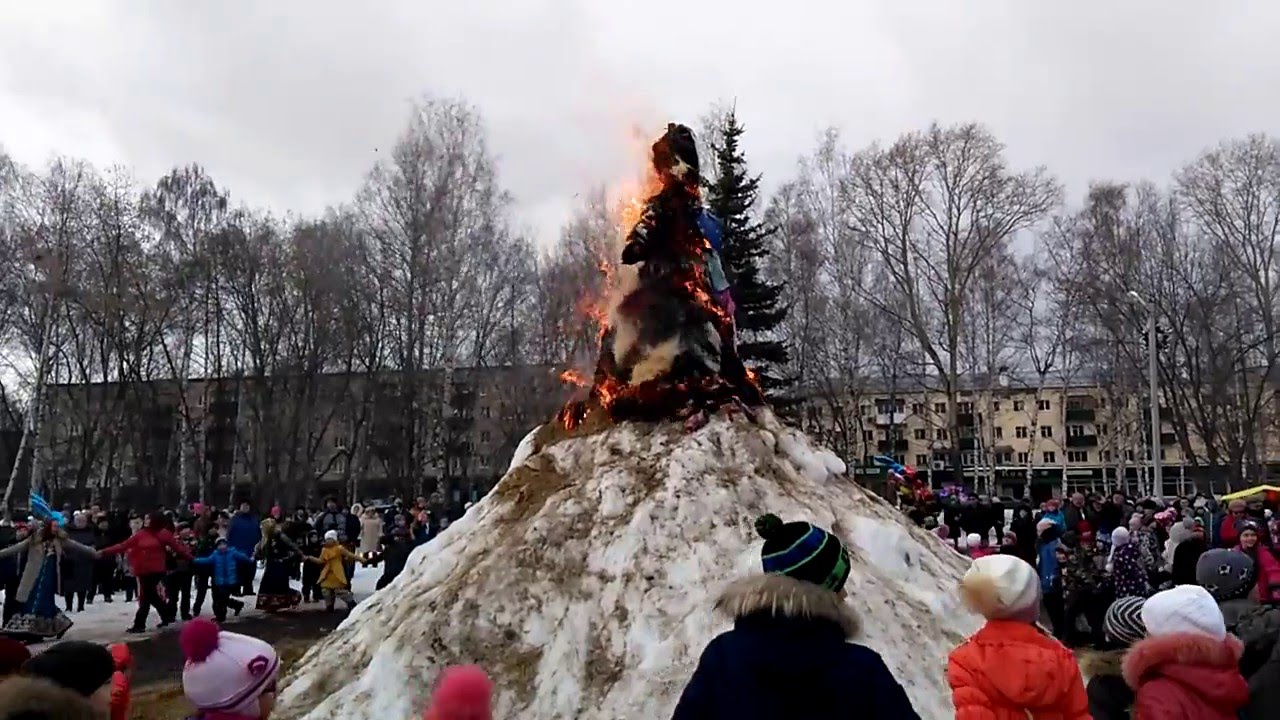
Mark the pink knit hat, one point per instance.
(226, 672)
(463, 692)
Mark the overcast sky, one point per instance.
(286, 103)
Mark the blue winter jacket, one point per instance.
(772, 666)
(1048, 565)
(244, 532)
(1057, 516)
(223, 563)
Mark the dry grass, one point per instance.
(165, 701)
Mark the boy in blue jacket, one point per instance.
(791, 653)
(224, 564)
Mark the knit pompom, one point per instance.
(768, 525)
(199, 639)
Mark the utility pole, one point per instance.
(1153, 382)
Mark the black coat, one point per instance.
(771, 666)
(1110, 698)
(1259, 630)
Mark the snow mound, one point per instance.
(584, 583)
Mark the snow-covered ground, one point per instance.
(585, 582)
(106, 622)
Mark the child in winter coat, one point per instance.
(977, 547)
(464, 693)
(1009, 669)
(1230, 578)
(1187, 667)
(224, 565)
(1125, 565)
(333, 573)
(789, 654)
(1110, 698)
(311, 547)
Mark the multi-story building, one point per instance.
(445, 434)
(1012, 435)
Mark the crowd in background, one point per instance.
(176, 561)
(1204, 646)
(1091, 550)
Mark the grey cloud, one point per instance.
(288, 102)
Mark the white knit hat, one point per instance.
(973, 540)
(226, 672)
(1183, 609)
(331, 535)
(1002, 587)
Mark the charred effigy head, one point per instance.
(675, 154)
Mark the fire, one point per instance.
(655, 394)
(573, 377)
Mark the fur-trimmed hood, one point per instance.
(21, 696)
(1106, 663)
(781, 596)
(1201, 665)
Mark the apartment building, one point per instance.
(1011, 434)
(288, 440)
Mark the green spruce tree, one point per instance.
(732, 198)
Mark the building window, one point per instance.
(965, 408)
(1106, 456)
(484, 436)
(921, 434)
(1103, 430)
(922, 460)
(995, 406)
(1024, 458)
(340, 465)
(486, 412)
(1043, 404)
(1161, 453)
(1050, 457)
(941, 434)
(917, 408)
(1075, 431)
(1046, 431)
(900, 459)
(867, 436)
(1021, 432)
(999, 433)
(1018, 405)
(1102, 402)
(1078, 456)
(940, 408)
(1004, 458)
(1128, 455)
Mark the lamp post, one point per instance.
(1153, 381)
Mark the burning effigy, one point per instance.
(667, 346)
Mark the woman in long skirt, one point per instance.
(279, 555)
(38, 615)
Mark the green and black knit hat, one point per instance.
(802, 551)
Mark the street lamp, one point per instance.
(1153, 380)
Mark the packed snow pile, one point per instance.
(585, 582)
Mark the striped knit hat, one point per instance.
(1123, 621)
(802, 551)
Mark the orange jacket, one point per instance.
(1010, 670)
(120, 681)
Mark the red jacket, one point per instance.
(1185, 676)
(1011, 671)
(145, 550)
(120, 692)
(1268, 568)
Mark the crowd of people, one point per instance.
(175, 561)
(1092, 550)
(1177, 602)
